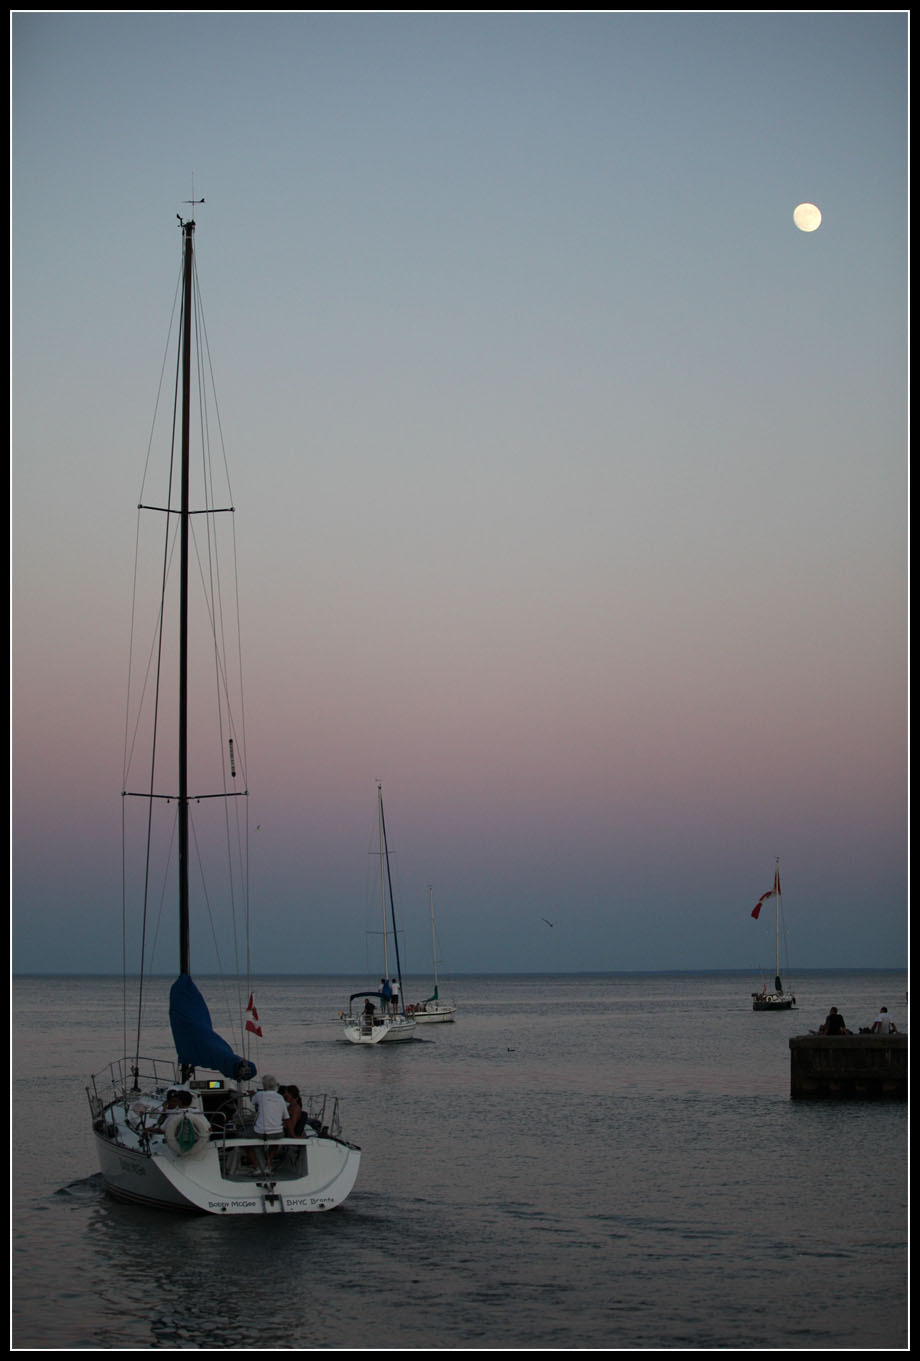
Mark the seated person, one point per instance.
(883, 1024)
(170, 1106)
(296, 1123)
(834, 1024)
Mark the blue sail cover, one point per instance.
(197, 1043)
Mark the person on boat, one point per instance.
(169, 1107)
(271, 1109)
(386, 993)
(295, 1122)
(883, 1024)
(834, 1024)
(369, 1008)
(271, 1113)
(148, 1107)
(394, 995)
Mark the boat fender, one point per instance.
(187, 1133)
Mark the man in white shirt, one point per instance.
(883, 1025)
(271, 1113)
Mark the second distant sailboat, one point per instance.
(383, 1021)
(434, 1008)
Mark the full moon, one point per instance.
(807, 217)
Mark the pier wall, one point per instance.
(849, 1067)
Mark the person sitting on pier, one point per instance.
(883, 1024)
(834, 1025)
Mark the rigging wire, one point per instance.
(129, 740)
(214, 597)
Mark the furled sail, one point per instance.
(197, 1043)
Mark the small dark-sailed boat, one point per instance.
(775, 998)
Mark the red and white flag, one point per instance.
(774, 892)
(252, 1022)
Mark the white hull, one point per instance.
(231, 1172)
(434, 1013)
(773, 1001)
(206, 1182)
(379, 1030)
(167, 1182)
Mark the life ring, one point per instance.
(187, 1133)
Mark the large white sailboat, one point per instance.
(384, 1020)
(775, 998)
(184, 1132)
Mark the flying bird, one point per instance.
(547, 920)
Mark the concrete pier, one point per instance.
(849, 1067)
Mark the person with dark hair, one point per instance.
(170, 1106)
(296, 1120)
(834, 1024)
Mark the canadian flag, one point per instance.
(252, 1023)
(774, 892)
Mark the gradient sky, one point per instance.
(571, 477)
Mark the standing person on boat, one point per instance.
(883, 1024)
(394, 995)
(834, 1024)
(271, 1113)
(386, 993)
(271, 1109)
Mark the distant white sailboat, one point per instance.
(433, 1009)
(777, 998)
(385, 1022)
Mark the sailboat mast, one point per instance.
(386, 854)
(188, 230)
(434, 940)
(381, 838)
(778, 894)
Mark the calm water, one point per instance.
(581, 1161)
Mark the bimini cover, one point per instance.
(197, 1043)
